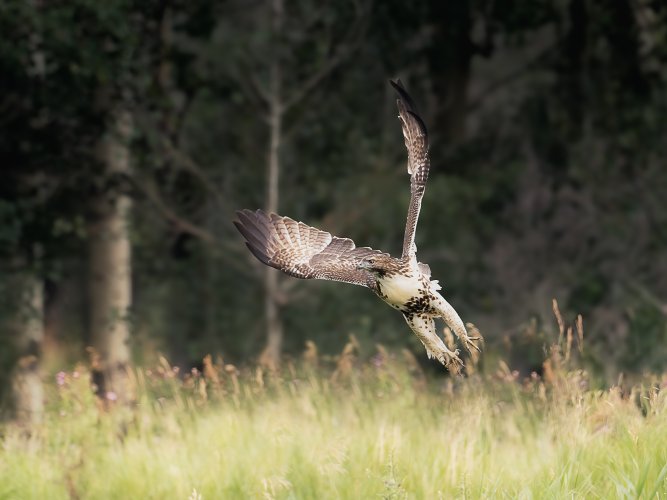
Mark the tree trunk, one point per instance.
(110, 271)
(28, 328)
(274, 327)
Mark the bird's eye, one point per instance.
(371, 261)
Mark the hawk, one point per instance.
(404, 283)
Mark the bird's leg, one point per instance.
(424, 327)
(451, 317)
(469, 342)
(472, 340)
(448, 358)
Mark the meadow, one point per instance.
(343, 428)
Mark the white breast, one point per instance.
(398, 289)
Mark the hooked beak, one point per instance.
(363, 265)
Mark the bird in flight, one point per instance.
(404, 283)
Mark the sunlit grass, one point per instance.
(372, 430)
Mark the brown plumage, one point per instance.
(303, 251)
(416, 142)
(306, 252)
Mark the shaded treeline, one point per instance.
(131, 131)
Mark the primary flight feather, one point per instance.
(306, 252)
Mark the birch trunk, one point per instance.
(28, 328)
(110, 278)
(274, 327)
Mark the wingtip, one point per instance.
(403, 94)
(397, 84)
(261, 256)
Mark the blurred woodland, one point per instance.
(130, 132)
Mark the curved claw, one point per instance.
(469, 343)
(451, 361)
(455, 366)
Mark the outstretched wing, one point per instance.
(416, 142)
(301, 250)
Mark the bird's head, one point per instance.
(376, 264)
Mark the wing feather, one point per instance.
(301, 250)
(304, 231)
(416, 143)
(281, 230)
(253, 233)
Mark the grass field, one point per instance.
(373, 430)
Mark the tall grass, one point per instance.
(378, 429)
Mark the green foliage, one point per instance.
(644, 346)
(10, 230)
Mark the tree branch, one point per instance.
(648, 296)
(229, 250)
(188, 164)
(181, 160)
(151, 192)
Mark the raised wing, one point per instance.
(303, 251)
(416, 142)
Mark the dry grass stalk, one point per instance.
(201, 389)
(559, 319)
(259, 377)
(233, 373)
(580, 333)
(210, 373)
(346, 360)
(310, 355)
(568, 343)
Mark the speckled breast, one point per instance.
(409, 294)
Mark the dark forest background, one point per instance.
(131, 131)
